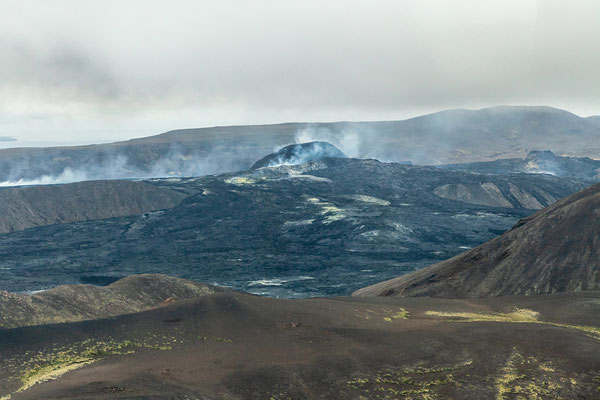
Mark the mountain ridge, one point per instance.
(444, 137)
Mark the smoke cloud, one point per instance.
(349, 141)
(175, 163)
(66, 176)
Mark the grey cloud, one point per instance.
(108, 64)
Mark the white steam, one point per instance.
(362, 140)
(349, 141)
(66, 176)
(175, 163)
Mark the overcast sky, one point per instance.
(87, 71)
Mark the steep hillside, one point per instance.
(555, 250)
(453, 136)
(27, 207)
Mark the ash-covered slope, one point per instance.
(300, 154)
(322, 228)
(555, 250)
(453, 136)
(240, 347)
(537, 162)
(27, 207)
(80, 302)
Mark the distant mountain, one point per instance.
(594, 119)
(537, 162)
(27, 207)
(455, 136)
(300, 154)
(321, 228)
(555, 250)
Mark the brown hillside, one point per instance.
(82, 302)
(554, 250)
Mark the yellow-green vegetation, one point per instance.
(527, 378)
(401, 314)
(55, 369)
(370, 200)
(416, 382)
(385, 314)
(330, 212)
(49, 365)
(591, 331)
(518, 315)
(240, 180)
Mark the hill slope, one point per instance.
(555, 250)
(80, 302)
(241, 347)
(27, 207)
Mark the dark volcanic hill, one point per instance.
(540, 162)
(240, 347)
(322, 228)
(300, 154)
(453, 136)
(27, 207)
(555, 250)
(80, 302)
